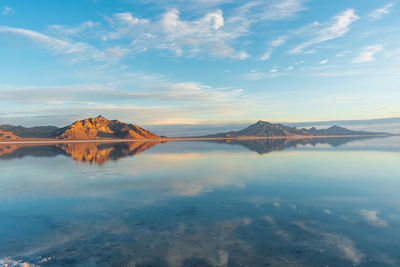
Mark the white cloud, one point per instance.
(368, 53)
(381, 12)
(371, 216)
(323, 62)
(204, 34)
(128, 18)
(337, 27)
(213, 33)
(208, 34)
(127, 25)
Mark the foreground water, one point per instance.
(327, 202)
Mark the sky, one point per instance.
(198, 62)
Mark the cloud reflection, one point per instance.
(371, 216)
(341, 243)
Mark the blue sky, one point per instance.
(198, 61)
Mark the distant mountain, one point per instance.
(266, 129)
(337, 130)
(100, 127)
(31, 132)
(262, 129)
(388, 125)
(91, 128)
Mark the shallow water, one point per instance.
(280, 202)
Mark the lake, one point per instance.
(281, 202)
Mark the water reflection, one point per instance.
(100, 153)
(203, 204)
(264, 146)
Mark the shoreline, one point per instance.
(55, 141)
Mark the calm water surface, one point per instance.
(328, 202)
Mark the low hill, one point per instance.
(337, 130)
(100, 127)
(30, 132)
(267, 129)
(5, 136)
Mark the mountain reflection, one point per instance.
(96, 153)
(264, 146)
(100, 153)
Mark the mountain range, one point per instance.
(266, 129)
(102, 128)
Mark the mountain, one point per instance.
(388, 125)
(262, 129)
(91, 128)
(32, 132)
(266, 129)
(100, 127)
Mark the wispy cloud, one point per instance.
(381, 12)
(78, 50)
(66, 30)
(272, 45)
(258, 75)
(338, 100)
(335, 28)
(6, 10)
(93, 94)
(272, 10)
(368, 53)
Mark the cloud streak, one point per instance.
(78, 50)
(381, 12)
(272, 46)
(319, 33)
